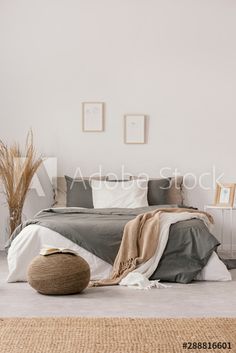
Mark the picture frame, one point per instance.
(224, 196)
(93, 116)
(135, 129)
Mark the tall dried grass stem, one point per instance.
(17, 168)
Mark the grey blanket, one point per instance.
(100, 232)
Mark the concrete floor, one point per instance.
(199, 299)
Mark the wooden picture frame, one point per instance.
(224, 196)
(93, 116)
(134, 129)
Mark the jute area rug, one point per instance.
(116, 335)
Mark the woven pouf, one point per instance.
(58, 274)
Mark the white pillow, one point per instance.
(215, 270)
(124, 194)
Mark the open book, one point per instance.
(50, 251)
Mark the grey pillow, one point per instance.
(166, 191)
(157, 191)
(79, 193)
(175, 191)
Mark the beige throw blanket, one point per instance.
(139, 243)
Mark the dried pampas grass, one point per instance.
(17, 169)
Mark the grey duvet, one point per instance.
(100, 232)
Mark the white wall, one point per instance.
(174, 60)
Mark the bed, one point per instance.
(188, 252)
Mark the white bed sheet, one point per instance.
(32, 239)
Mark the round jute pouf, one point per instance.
(58, 274)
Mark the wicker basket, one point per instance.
(58, 274)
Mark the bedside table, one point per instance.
(223, 211)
